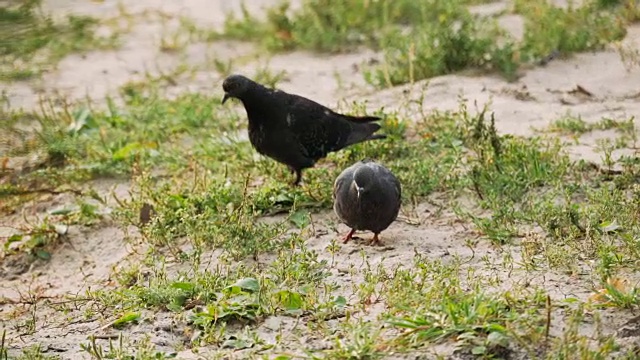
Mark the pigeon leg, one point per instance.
(298, 177)
(348, 237)
(375, 240)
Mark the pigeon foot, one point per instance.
(375, 240)
(348, 237)
(298, 173)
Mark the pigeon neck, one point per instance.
(258, 103)
(364, 201)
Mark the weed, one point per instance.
(229, 295)
(3, 350)
(35, 352)
(550, 28)
(36, 240)
(451, 41)
(118, 350)
(422, 40)
(573, 344)
(629, 9)
(323, 25)
(361, 341)
(458, 153)
(469, 319)
(617, 293)
(265, 76)
(571, 125)
(32, 41)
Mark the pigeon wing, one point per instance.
(318, 129)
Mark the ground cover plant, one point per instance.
(33, 41)
(430, 38)
(184, 243)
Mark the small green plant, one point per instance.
(571, 125)
(573, 344)
(36, 241)
(32, 41)
(119, 350)
(617, 293)
(361, 340)
(265, 76)
(431, 38)
(452, 40)
(478, 320)
(238, 301)
(549, 28)
(324, 25)
(4, 353)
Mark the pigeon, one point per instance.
(367, 196)
(294, 130)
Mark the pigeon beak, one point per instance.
(225, 98)
(358, 190)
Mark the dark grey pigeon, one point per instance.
(293, 130)
(367, 196)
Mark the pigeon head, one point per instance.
(363, 180)
(235, 86)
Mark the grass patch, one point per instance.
(549, 28)
(431, 38)
(32, 41)
(576, 126)
(223, 189)
(484, 323)
(291, 285)
(222, 268)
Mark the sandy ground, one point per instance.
(540, 96)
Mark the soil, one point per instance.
(89, 256)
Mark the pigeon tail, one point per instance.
(364, 132)
(361, 119)
(377, 136)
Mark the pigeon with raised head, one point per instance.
(367, 196)
(294, 130)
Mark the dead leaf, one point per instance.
(616, 283)
(146, 213)
(284, 35)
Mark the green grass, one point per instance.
(32, 41)
(549, 28)
(120, 349)
(206, 190)
(431, 38)
(577, 126)
(458, 154)
(229, 248)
